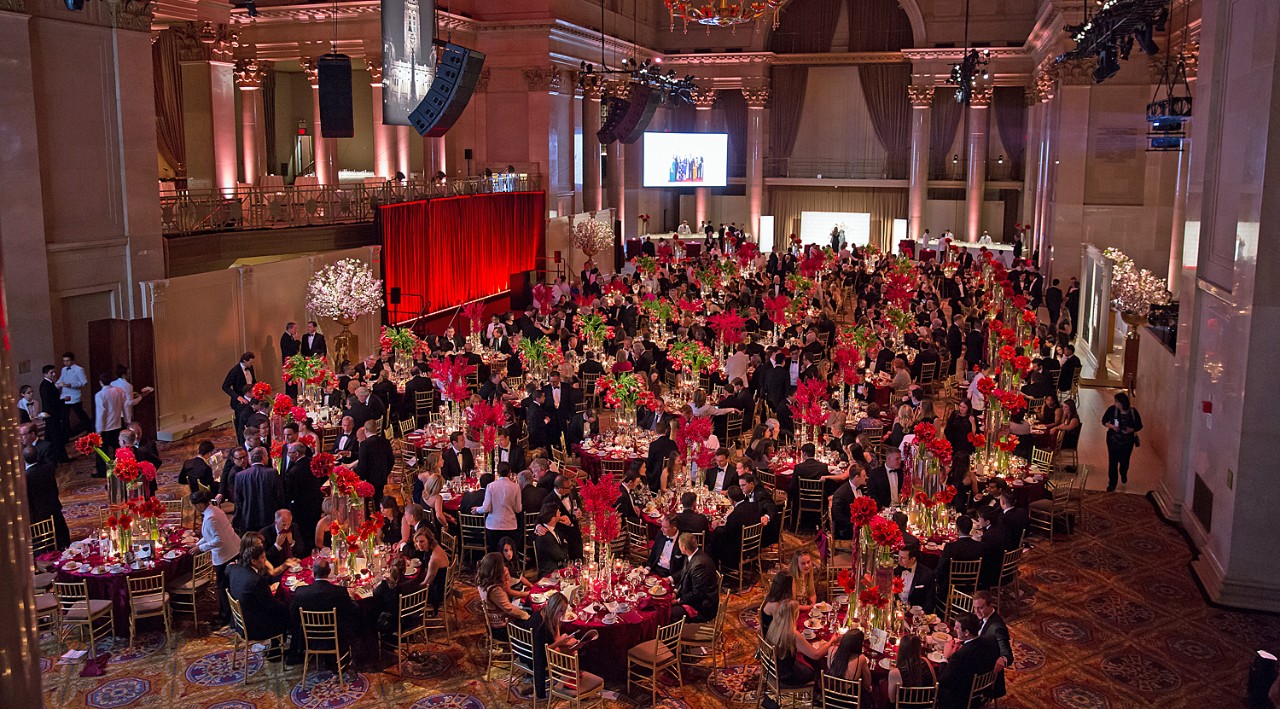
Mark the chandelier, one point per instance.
(723, 13)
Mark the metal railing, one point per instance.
(833, 169)
(283, 206)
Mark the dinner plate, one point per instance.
(99, 570)
(884, 663)
(570, 616)
(71, 566)
(813, 623)
(822, 607)
(935, 657)
(173, 554)
(538, 597)
(940, 637)
(809, 635)
(1018, 483)
(622, 608)
(657, 591)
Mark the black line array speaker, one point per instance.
(616, 108)
(456, 75)
(336, 119)
(644, 102)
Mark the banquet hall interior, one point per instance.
(635, 353)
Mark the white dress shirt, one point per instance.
(893, 485)
(73, 379)
(668, 548)
(111, 409)
(216, 535)
(502, 505)
(248, 374)
(908, 576)
(123, 385)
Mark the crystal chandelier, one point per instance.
(723, 13)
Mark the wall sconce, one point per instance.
(1000, 160)
(955, 159)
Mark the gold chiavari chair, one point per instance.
(91, 616)
(1044, 514)
(652, 657)
(963, 577)
(1042, 460)
(147, 599)
(174, 512)
(748, 554)
(838, 693)
(959, 604)
(520, 640)
(498, 653)
(618, 468)
(411, 611)
(702, 640)
(184, 591)
(637, 542)
(812, 499)
(320, 637)
(48, 618)
(916, 697)
(733, 425)
(770, 685)
(570, 683)
(43, 537)
(274, 645)
(978, 690)
(1076, 495)
(1010, 578)
(471, 529)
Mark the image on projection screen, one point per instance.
(815, 227)
(685, 159)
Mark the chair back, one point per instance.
(617, 467)
(1042, 459)
(981, 683)
(964, 574)
(928, 371)
(958, 603)
(237, 617)
(733, 425)
(521, 639)
(1012, 562)
(141, 586)
(43, 537)
(70, 593)
(637, 541)
(751, 535)
(811, 494)
(412, 609)
(201, 565)
(320, 628)
(768, 480)
(563, 669)
(560, 456)
(471, 527)
(173, 512)
(916, 697)
(449, 542)
(669, 636)
(838, 693)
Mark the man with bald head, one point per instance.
(366, 407)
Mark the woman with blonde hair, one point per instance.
(794, 653)
(804, 589)
(902, 425)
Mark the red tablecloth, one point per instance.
(607, 655)
(115, 586)
(591, 462)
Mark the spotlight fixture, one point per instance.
(964, 76)
(672, 89)
(1110, 34)
(74, 5)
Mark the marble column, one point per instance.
(918, 186)
(384, 136)
(757, 98)
(976, 182)
(253, 136)
(209, 118)
(616, 184)
(703, 102)
(1178, 233)
(324, 148)
(404, 135)
(592, 197)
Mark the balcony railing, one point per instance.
(832, 169)
(278, 207)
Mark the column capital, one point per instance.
(543, 78)
(756, 97)
(250, 73)
(921, 95)
(704, 99)
(13, 6)
(980, 97)
(133, 15)
(374, 63)
(311, 67)
(1077, 72)
(592, 87)
(1190, 55)
(1046, 82)
(206, 42)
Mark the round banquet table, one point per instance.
(657, 511)
(592, 461)
(453, 498)
(114, 586)
(607, 655)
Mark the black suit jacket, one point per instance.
(51, 399)
(456, 464)
(263, 616)
(655, 555)
(235, 384)
(962, 549)
(1015, 521)
(878, 485)
(659, 449)
(195, 472)
(42, 491)
(728, 537)
(289, 346)
(841, 517)
(576, 429)
(376, 461)
(304, 492)
(1068, 372)
(324, 596)
(277, 556)
(258, 494)
(312, 345)
(699, 587)
(351, 445)
(730, 477)
(955, 677)
(372, 408)
(995, 630)
(923, 587)
(552, 553)
(515, 456)
(690, 521)
(532, 497)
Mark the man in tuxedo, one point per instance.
(28, 436)
(347, 444)
(494, 389)
(457, 458)
(665, 557)
(507, 452)
(258, 493)
(550, 544)
(417, 383)
(581, 426)
(626, 502)
(689, 519)
(283, 539)
(963, 548)
(290, 346)
(562, 497)
(475, 498)
(42, 495)
(323, 595)
(965, 656)
(698, 596)
(367, 407)
(726, 540)
(376, 459)
(992, 627)
(768, 507)
(885, 482)
(196, 472)
(532, 495)
(541, 420)
(722, 475)
(237, 385)
(955, 342)
(1053, 301)
(559, 399)
(590, 366)
(809, 468)
(854, 487)
(918, 583)
(1070, 366)
(249, 583)
(1014, 520)
(312, 344)
(302, 489)
(237, 462)
(659, 449)
(56, 426)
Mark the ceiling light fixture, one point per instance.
(723, 13)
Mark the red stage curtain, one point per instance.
(456, 249)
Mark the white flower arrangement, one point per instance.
(344, 290)
(1134, 290)
(591, 236)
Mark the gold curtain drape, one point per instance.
(170, 136)
(883, 203)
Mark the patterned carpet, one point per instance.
(1110, 618)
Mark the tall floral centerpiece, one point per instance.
(603, 523)
(660, 312)
(474, 312)
(399, 348)
(778, 308)
(1134, 290)
(624, 391)
(125, 474)
(848, 371)
(728, 327)
(925, 495)
(689, 359)
(691, 434)
(486, 418)
(593, 329)
(539, 356)
(810, 408)
(450, 375)
(147, 511)
(344, 291)
(348, 493)
(308, 373)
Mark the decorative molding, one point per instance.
(250, 74)
(980, 97)
(1191, 57)
(920, 95)
(955, 54)
(308, 13)
(593, 88)
(543, 78)
(374, 63)
(12, 6)
(482, 83)
(205, 42)
(1046, 81)
(133, 15)
(756, 97)
(311, 68)
(1077, 72)
(704, 99)
(772, 59)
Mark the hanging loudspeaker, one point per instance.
(456, 75)
(336, 119)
